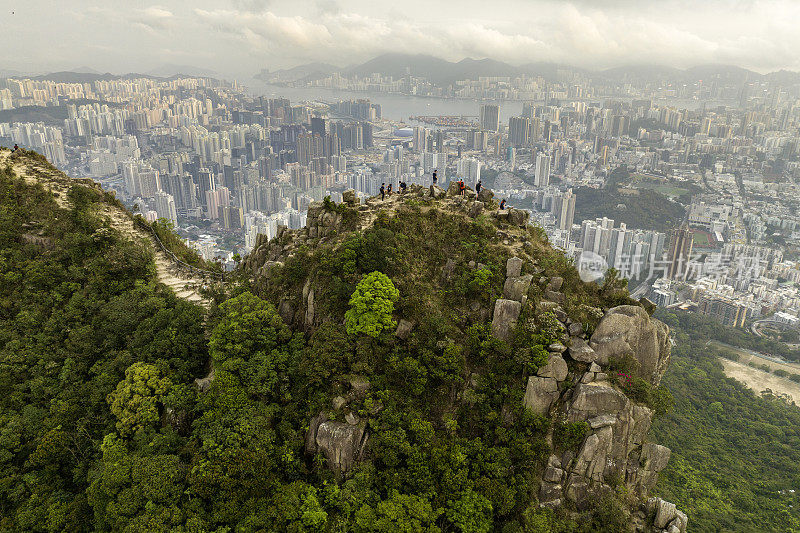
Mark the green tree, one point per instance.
(249, 325)
(313, 515)
(136, 402)
(471, 513)
(132, 492)
(401, 513)
(252, 343)
(372, 305)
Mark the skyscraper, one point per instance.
(205, 182)
(680, 251)
(165, 207)
(318, 126)
(420, 138)
(542, 170)
(469, 169)
(214, 200)
(564, 210)
(519, 129)
(490, 117)
(433, 161)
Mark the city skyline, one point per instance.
(240, 37)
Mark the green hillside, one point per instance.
(105, 426)
(734, 454)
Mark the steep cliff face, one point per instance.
(595, 381)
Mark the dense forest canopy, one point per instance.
(639, 208)
(734, 453)
(79, 309)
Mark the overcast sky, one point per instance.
(240, 37)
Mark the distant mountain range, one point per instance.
(443, 72)
(170, 70)
(89, 75)
(84, 74)
(311, 71)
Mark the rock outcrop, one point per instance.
(575, 386)
(342, 443)
(506, 314)
(485, 195)
(515, 217)
(666, 517)
(614, 451)
(404, 328)
(436, 192)
(628, 330)
(540, 394)
(475, 209)
(516, 288)
(322, 222)
(204, 384)
(349, 197)
(308, 297)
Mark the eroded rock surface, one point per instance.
(506, 314)
(342, 443)
(540, 394)
(628, 330)
(615, 450)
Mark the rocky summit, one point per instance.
(591, 358)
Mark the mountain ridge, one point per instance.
(442, 71)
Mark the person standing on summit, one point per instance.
(383, 190)
(478, 186)
(434, 177)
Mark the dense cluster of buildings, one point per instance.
(224, 166)
(562, 83)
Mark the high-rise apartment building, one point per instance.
(490, 117)
(434, 161)
(420, 138)
(165, 207)
(542, 170)
(318, 126)
(564, 210)
(231, 217)
(519, 129)
(216, 199)
(469, 169)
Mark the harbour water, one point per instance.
(399, 107)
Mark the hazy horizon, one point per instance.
(238, 38)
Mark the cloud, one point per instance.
(243, 35)
(757, 34)
(328, 7)
(153, 19)
(251, 6)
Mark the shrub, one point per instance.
(569, 435)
